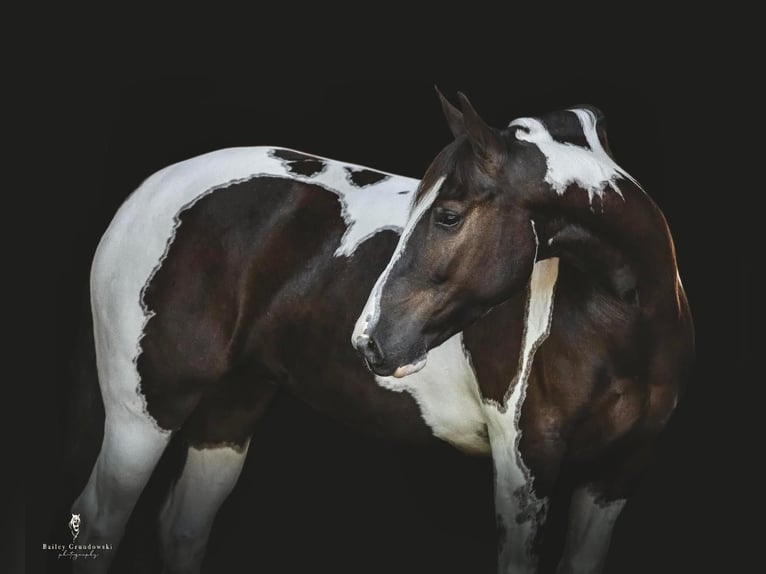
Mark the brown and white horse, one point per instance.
(530, 310)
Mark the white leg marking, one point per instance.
(518, 508)
(131, 447)
(590, 532)
(369, 315)
(208, 477)
(515, 507)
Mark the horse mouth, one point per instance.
(398, 372)
(411, 368)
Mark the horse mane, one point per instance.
(564, 126)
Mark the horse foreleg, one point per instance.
(208, 477)
(520, 513)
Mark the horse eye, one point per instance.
(447, 218)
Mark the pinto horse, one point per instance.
(530, 310)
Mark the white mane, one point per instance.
(592, 169)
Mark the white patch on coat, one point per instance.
(591, 523)
(186, 519)
(370, 209)
(138, 238)
(513, 493)
(447, 393)
(567, 163)
(369, 316)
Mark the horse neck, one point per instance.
(620, 240)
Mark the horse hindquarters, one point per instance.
(134, 372)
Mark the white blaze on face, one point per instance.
(592, 169)
(371, 312)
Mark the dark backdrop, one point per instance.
(314, 494)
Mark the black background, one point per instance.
(315, 495)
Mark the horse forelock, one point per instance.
(441, 164)
(455, 163)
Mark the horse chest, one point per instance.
(448, 397)
(451, 399)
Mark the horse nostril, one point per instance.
(370, 350)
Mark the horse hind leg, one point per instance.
(186, 519)
(218, 433)
(590, 531)
(595, 508)
(131, 446)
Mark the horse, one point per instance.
(522, 301)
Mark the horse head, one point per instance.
(468, 245)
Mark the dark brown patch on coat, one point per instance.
(299, 163)
(364, 177)
(495, 347)
(565, 127)
(251, 299)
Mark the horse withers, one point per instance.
(530, 310)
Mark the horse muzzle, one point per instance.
(373, 354)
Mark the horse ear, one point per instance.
(454, 116)
(486, 143)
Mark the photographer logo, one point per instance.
(75, 551)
